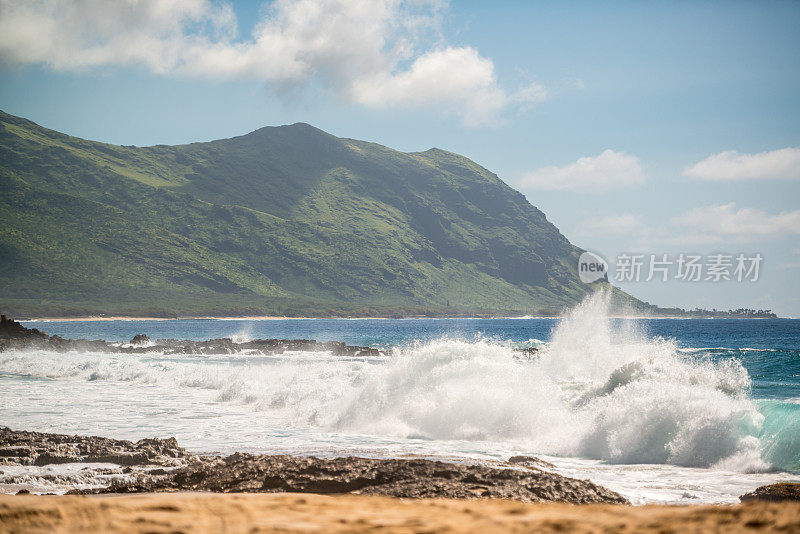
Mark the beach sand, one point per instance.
(208, 512)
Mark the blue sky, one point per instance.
(641, 127)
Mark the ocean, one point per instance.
(660, 410)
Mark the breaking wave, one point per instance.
(592, 392)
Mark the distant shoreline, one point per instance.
(94, 318)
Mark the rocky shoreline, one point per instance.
(20, 447)
(14, 336)
(407, 478)
(161, 465)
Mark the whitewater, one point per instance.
(601, 399)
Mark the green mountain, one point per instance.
(285, 220)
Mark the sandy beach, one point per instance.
(205, 512)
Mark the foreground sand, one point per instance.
(292, 512)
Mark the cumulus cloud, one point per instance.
(608, 170)
(457, 80)
(376, 53)
(703, 225)
(783, 164)
(726, 220)
(94, 33)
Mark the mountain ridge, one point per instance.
(281, 220)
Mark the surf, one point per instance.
(596, 389)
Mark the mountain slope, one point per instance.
(285, 220)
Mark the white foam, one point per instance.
(57, 478)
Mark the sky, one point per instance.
(639, 128)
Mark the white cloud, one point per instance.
(608, 170)
(457, 80)
(783, 164)
(726, 220)
(704, 225)
(95, 33)
(376, 53)
(616, 225)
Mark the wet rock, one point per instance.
(530, 461)
(415, 478)
(14, 336)
(783, 491)
(51, 459)
(38, 448)
(14, 452)
(367, 351)
(177, 470)
(10, 329)
(140, 339)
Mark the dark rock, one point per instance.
(122, 458)
(367, 351)
(530, 461)
(783, 491)
(23, 492)
(10, 329)
(392, 477)
(14, 452)
(181, 471)
(140, 339)
(50, 459)
(38, 448)
(14, 336)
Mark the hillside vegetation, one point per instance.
(287, 220)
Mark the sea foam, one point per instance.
(592, 392)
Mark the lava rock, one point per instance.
(38, 448)
(14, 336)
(140, 339)
(10, 329)
(783, 491)
(530, 461)
(409, 478)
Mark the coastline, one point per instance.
(44, 463)
(521, 478)
(160, 487)
(96, 318)
(91, 390)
